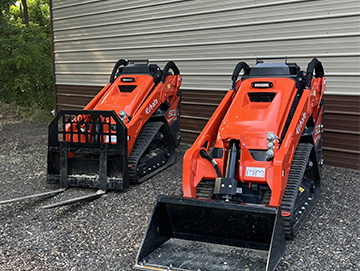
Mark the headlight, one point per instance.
(269, 154)
(122, 115)
(271, 139)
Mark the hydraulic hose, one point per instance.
(170, 65)
(205, 155)
(316, 65)
(119, 63)
(237, 70)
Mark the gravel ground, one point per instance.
(105, 234)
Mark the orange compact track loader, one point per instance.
(249, 180)
(127, 133)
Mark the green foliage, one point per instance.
(4, 7)
(25, 57)
(39, 14)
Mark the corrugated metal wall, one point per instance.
(206, 39)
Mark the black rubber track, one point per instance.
(296, 174)
(144, 139)
(266, 197)
(204, 190)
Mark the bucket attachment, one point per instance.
(206, 235)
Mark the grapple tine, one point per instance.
(89, 197)
(41, 195)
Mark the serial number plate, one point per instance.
(255, 172)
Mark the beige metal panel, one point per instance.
(106, 8)
(305, 47)
(346, 64)
(70, 8)
(205, 38)
(105, 12)
(87, 67)
(346, 85)
(332, 64)
(90, 27)
(343, 85)
(203, 12)
(349, 43)
(82, 79)
(61, 4)
(255, 32)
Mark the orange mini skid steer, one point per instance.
(127, 133)
(256, 187)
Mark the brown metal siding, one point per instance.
(74, 97)
(342, 131)
(196, 109)
(341, 121)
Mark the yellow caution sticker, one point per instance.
(169, 86)
(314, 92)
(301, 189)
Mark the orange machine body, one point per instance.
(251, 177)
(246, 117)
(138, 106)
(127, 133)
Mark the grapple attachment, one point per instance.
(88, 148)
(191, 234)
